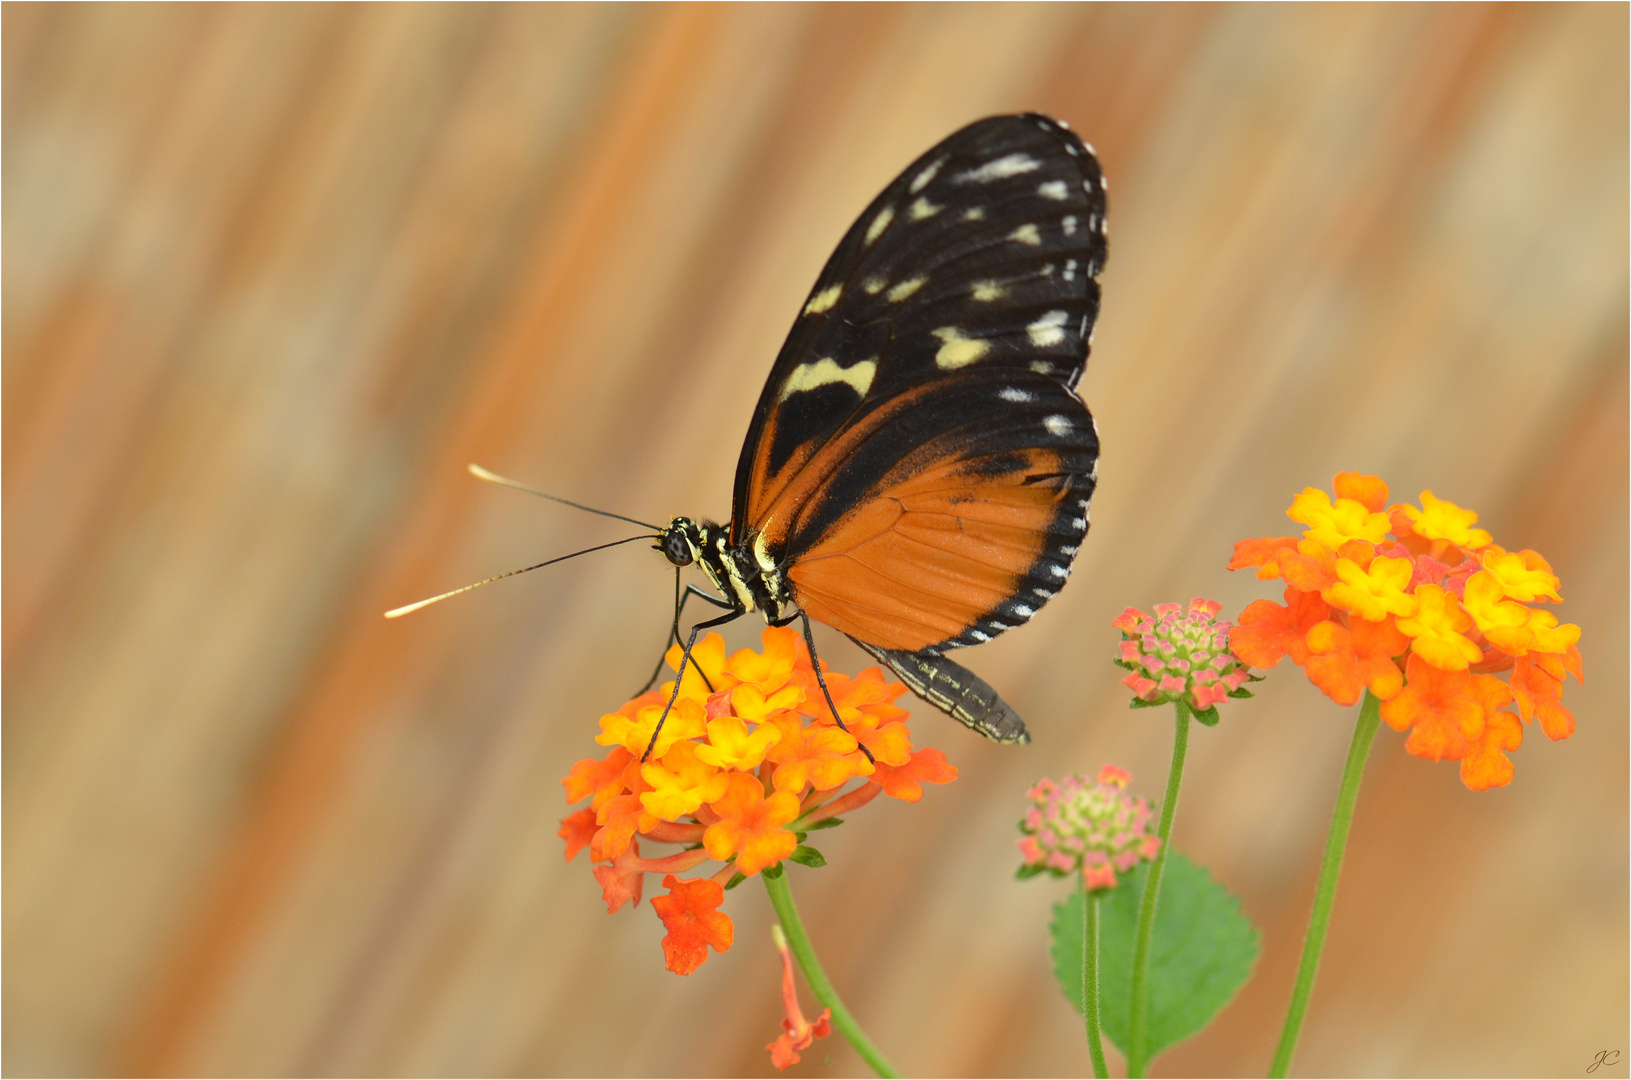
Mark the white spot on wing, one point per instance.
(826, 371)
(958, 351)
(1070, 270)
(921, 180)
(1000, 169)
(973, 213)
(823, 300)
(880, 223)
(1069, 224)
(905, 289)
(1049, 329)
(987, 291)
(874, 285)
(1016, 395)
(979, 635)
(1053, 189)
(1024, 611)
(1026, 234)
(923, 208)
(1057, 425)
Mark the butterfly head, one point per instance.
(681, 542)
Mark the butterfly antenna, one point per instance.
(492, 477)
(396, 612)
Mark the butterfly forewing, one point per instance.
(985, 251)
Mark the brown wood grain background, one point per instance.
(274, 274)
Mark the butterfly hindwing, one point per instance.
(985, 251)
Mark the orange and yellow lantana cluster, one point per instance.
(747, 760)
(1422, 608)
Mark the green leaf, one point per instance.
(825, 823)
(772, 872)
(1140, 703)
(1201, 954)
(736, 879)
(808, 856)
(1207, 716)
(1029, 870)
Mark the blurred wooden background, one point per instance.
(273, 274)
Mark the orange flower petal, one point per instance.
(690, 911)
(1269, 631)
(905, 782)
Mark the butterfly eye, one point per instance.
(676, 548)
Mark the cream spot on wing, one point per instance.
(1049, 329)
(1001, 169)
(1053, 189)
(880, 223)
(958, 351)
(1070, 269)
(905, 289)
(973, 213)
(923, 208)
(1057, 425)
(1026, 234)
(826, 371)
(1016, 395)
(823, 300)
(1069, 224)
(987, 291)
(874, 285)
(921, 180)
(1047, 271)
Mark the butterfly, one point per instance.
(918, 470)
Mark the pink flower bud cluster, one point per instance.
(1179, 655)
(1095, 827)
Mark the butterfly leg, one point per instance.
(685, 658)
(809, 641)
(680, 597)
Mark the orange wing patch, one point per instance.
(925, 559)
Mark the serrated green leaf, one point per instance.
(1201, 954)
(808, 856)
(736, 879)
(825, 823)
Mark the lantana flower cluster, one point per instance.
(1096, 828)
(748, 760)
(1425, 610)
(1181, 655)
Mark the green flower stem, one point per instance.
(1090, 979)
(1370, 718)
(1138, 1058)
(781, 898)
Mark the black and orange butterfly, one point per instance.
(918, 469)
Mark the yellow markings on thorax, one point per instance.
(1026, 234)
(923, 208)
(880, 223)
(905, 289)
(826, 371)
(823, 300)
(987, 291)
(958, 351)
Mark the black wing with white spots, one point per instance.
(985, 251)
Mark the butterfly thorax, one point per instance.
(751, 580)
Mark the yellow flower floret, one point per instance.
(731, 746)
(680, 783)
(1523, 575)
(1441, 520)
(685, 721)
(1549, 636)
(1374, 593)
(1332, 524)
(1436, 631)
(1504, 622)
